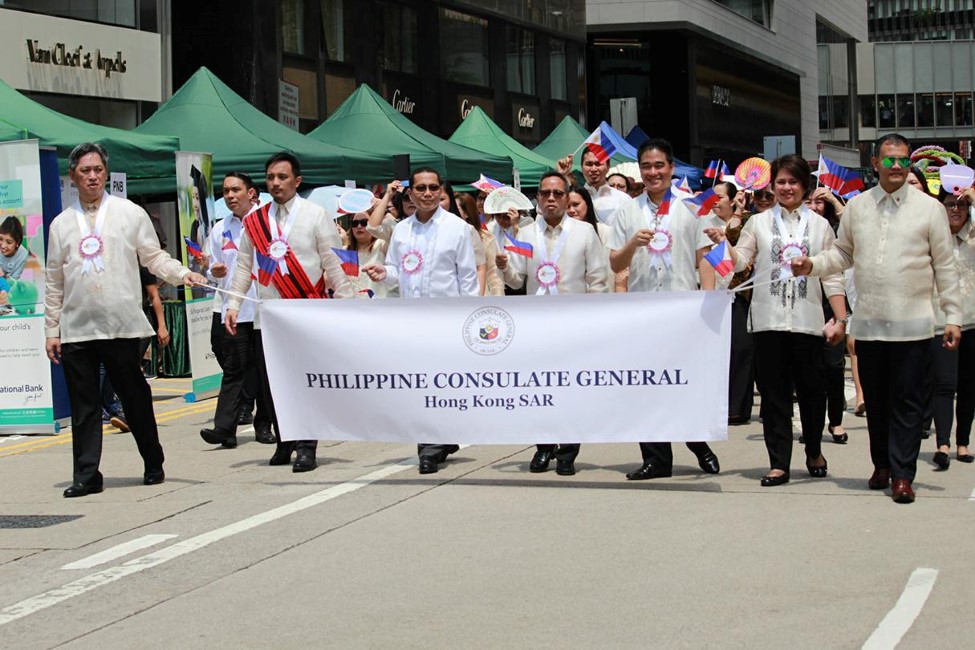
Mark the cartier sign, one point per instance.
(59, 54)
(525, 119)
(403, 103)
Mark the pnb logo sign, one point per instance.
(488, 331)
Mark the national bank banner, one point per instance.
(516, 370)
(194, 192)
(26, 400)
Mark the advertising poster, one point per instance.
(194, 192)
(26, 402)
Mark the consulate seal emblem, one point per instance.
(488, 331)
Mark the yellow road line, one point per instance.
(63, 438)
(159, 389)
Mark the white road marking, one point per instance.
(6, 439)
(900, 619)
(972, 498)
(106, 576)
(117, 551)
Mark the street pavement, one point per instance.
(366, 553)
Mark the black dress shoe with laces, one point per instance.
(565, 467)
(81, 490)
(428, 465)
(264, 435)
(709, 463)
(648, 471)
(153, 476)
(541, 460)
(305, 462)
(282, 455)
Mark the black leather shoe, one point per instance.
(966, 458)
(565, 467)
(816, 471)
(709, 463)
(264, 435)
(448, 450)
(428, 465)
(650, 471)
(772, 481)
(229, 443)
(153, 476)
(305, 462)
(216, 436)
(282, 455)
(540, 460)
(81, 490)
(245, 417)
(941, 460)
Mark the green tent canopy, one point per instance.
(566, 138)
(477, 131)
(147, 161)
(209, 116)
(367, 122)
(10, 131)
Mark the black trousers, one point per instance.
(237, 356)
(123, 365)
(786, 360)
(741, 382)
(834, 369)
(965, 411)
(309, 446)
(941, 382)
(562, 452)
(892, 376)
(661, 454)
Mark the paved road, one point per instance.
(364, 552)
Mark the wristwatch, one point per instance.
(843, 320)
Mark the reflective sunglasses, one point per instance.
(359, 222)
(890, 161)
(547, 193)
(425, 188)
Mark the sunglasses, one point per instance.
(764, 195)
(890, 161)
(426, 188)
(356, 223)
(547, 193)
(956, 205)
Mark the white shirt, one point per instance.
(104, 304)
(788, 304)
(223, 250)
(964, 249)
(608, 201)
(583, 267)
(899, 246)
(447, 268)
(311, 239)
(687, 231)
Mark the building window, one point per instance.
(464, 48)
(557, 65)
(841, 112)
(925, 109)
(886, 112)
(963, 109)
(293, 21)
(758, 10)
(905, 110)
(944, 107)
(399, 44)
(336, 31)
(823, 112)
(113, 12)
(520, 52)
(868, 110)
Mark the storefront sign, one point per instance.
(402, 103)
(720, 95)
(73, 57)
(524, 121)
(288, 104)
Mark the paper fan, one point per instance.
(753, 174)
(355, 201)
(503, 198)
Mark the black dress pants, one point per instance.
(123, 365)
(235, 353)
(892, 376)
(661, 454)
(786, 360)
(941, 382)
(965, 407)
(308, 446)
(834, 373)
(741, 393)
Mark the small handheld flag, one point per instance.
(720, 259)
(684, 185)
(600, 144)
(193, 248)
(228, 243)
(712, 170)
(703, 202)
(350, 261)
(265, 268)
(837, 177)
(519, 247)
(724, 170)
(486, 184)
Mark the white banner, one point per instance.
(516, 370)
(207, 374)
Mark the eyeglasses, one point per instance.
(956, 205)
(890, 161)
(547, 193)
(356, 223)
(764, 195)
(426, 188)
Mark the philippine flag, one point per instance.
(724, 170)
(228, 241)
(519, 247)
(193, 248)
(350, 261)
(486, 184)
(720, 259)
(838, 178)
(712, 170)
(266, 266)
(703, 202)
(684, 185)
(600, 144)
